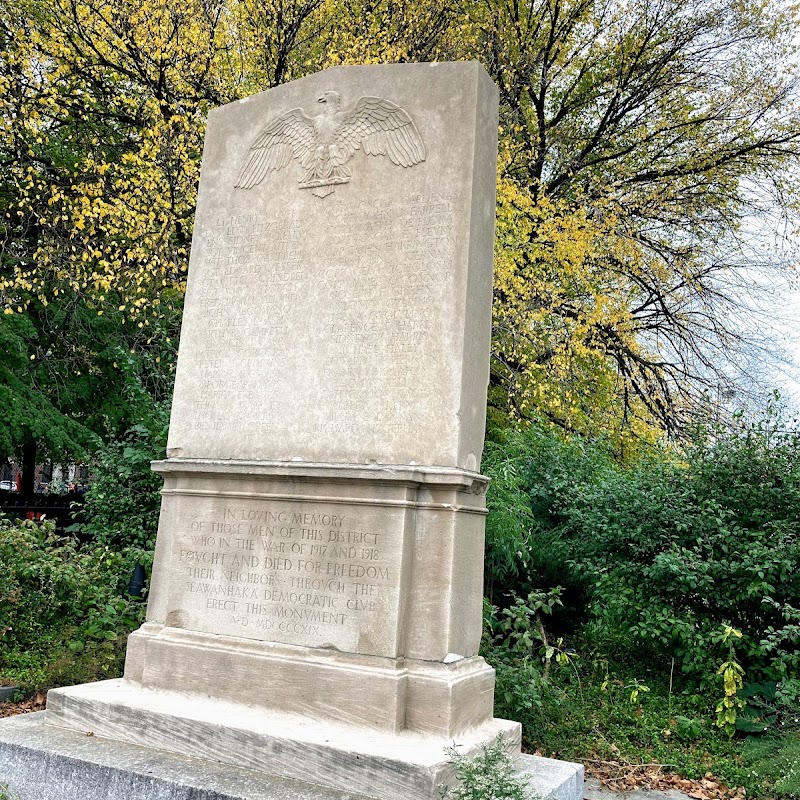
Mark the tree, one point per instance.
(101, 149)
(638, 137)
(30, 418)
(74, 364)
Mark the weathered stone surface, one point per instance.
(38, 763)
(7, 692)
(359, 571)
(403, 694)
(550, 778)
(352, 328)
(46, 764)
(372, 560)
(349, 758)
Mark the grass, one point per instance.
(774, 762)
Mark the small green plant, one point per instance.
(7, 794)
(486, 776)
(688, 729)
(636, 689)
(516, 644)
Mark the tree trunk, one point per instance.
(29, 468)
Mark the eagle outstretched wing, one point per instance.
(381, 128)
(292, 134)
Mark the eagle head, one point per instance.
(331, 101)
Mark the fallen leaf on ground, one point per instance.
(620, 776)
(35, 703)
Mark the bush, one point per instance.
(64, 611)
(670, 551)
(676, 553)
(123, 500)
(516, 644)
(487, 776)
(533, 476)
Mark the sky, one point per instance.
(793, 314)
(793, 346)
(787, 313)
(783, 317)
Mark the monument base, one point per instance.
(441, 699)
(346, 758)
(42, 763)
(39, 762)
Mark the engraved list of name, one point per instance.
(285, 572)
(319, 320)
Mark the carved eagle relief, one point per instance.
(323, 144)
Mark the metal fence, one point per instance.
(58, 493)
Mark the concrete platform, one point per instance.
(52, 764)
(550, 779)
(39, 764)
(594, 790)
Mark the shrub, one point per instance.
(533, 474)
(517, 645)
(676, 553)
(123, 500)
(671, 550)
(64, 611)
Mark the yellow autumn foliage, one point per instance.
(621, 169)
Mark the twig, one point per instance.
(626, 766)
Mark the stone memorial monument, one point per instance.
(315, 604)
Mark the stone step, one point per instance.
(55, 764)
(39, 764)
